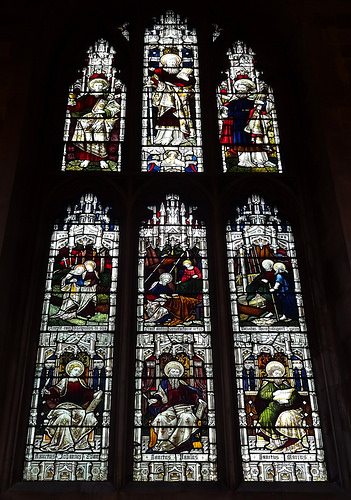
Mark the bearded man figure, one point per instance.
(280, 425)
(173, 91)
(174, 405)
(96, 115)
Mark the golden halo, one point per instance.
(168, 57)
(73, 364)
(274, 365)
(173, 364)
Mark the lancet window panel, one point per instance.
(69, 425)
(95, 115)
(281, 438)
(171, 123)
(175, 435)
(248, 127)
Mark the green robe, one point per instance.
(269, 409)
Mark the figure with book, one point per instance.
(177, 409)
(71, 418)
(94, 117)
(174, 89)
(280, 425)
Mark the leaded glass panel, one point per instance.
(68, 435)
(95, 116)
(247, 118)
(171, 134)
(280, 431)
(175, 438)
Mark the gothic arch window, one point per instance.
(173, 331)
(249, 135)
(68, 434)
(95, 116)
(175, 436)
(171, 134)
(278, 413)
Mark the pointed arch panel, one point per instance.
(281, 438)
(69, 425)
(175, 436)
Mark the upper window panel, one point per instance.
(94, 126)
(171, 138)
(247, 118)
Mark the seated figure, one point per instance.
(71, 417)
(177, 409)
(280, 425)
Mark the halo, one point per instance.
(175, 151)
(168, 57)
(99, 80)
(78, 267)
(91, 262)
(279, 266)
(173, 364)
(274, 365)
(245, 81)
(268, 263)
(167, 277)
(73, 364)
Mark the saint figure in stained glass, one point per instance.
(174, 432)
(247, 117)
(79, 287)
(280, 435)
(71, 418)
(172, 95)
(68, 434)
(95, 115)
(176, 409)
(281, 420)
(170, 302)
(171, 118)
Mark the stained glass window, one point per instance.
(174, 405)
(280, 431)
(175, 438)
(171, 135)
(247, 118)
(95, 116)
(68, 436)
